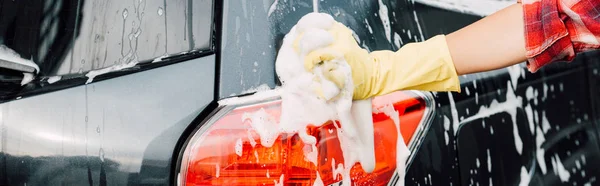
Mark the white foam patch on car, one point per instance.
(259, 88)
(539, 140)
(528, 110)
(318, 180)
(92, 74)
(264, 124)
(402, 152)
(160, 58)
(27, 77)
(54, 79)
(218, 170)
(383, 15)
(239, 147)
(446, 130)
(336, 169)
(454, 112)
(418, 25)
(545, 123)
(10, 55)
(280, 182)
(525, 177)
(510, 106)
(272, 8)
(489, 161)
(559, 169)
(515, 72)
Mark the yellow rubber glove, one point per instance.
(423, 66)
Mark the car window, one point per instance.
(76, 36)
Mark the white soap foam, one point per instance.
(454, 112)
(264, 124)
(545, 123)
(530, 115)
(545, 92)
(92, 74)
(529, 94)
(402, 152)
(280, 183)
(12, 56)
(539, 140)
(218, 170)
(446, 129)
(251, 138)
(510, 106)
(368, 26)
(302, 107)
(272, 8)
(318, 180)
(525, 177)
(398, 40)
(514, 72)
(239, 147)
(383, 15)
(256, 156)
(559, 169)
(27, 77)
(489, 161)
(54, 79)
(336, 169)
(418, 25)
(312, 154)
(160, 58)
(259, 88)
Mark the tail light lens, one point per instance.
(225, 150)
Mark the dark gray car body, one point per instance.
(128, 127)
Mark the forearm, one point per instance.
(494, 42)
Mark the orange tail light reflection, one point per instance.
(228, 152)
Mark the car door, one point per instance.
(507, 127)
(118, 84)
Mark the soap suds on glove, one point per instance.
(303, 107)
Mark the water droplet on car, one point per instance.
(98, 129)
(160, 11)
(125, 13)
(97, 38)
(101, 154)
(137, 33)
(83, 61)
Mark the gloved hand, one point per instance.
(423, 66)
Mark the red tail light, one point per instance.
(226, 151)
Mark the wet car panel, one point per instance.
(157, 106)
(118, 132)
(449, 154)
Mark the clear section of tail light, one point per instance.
(225, 150)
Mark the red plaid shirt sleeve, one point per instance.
(555, 30)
